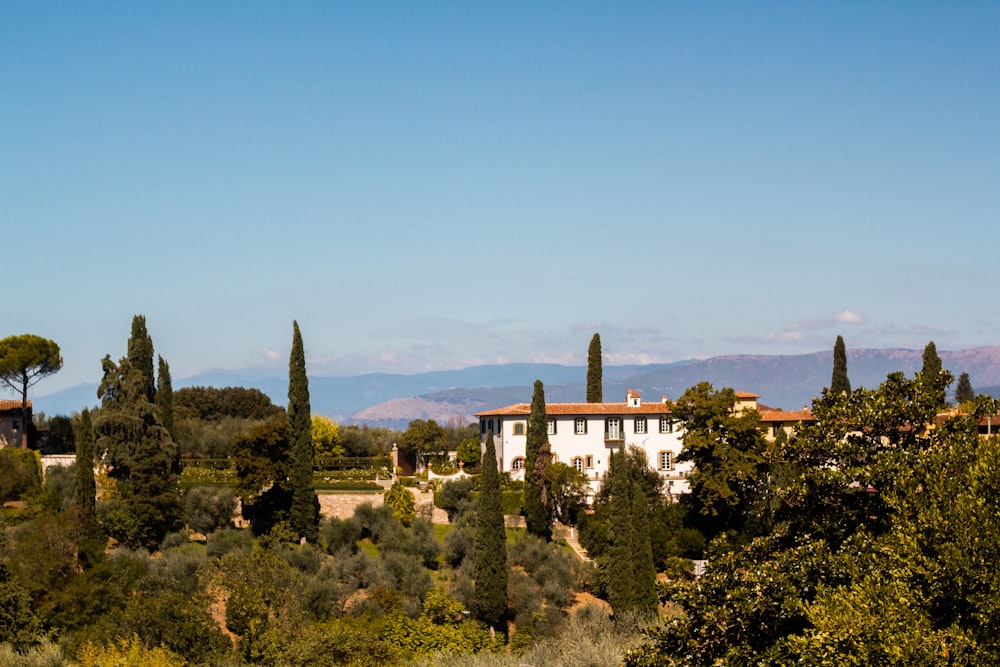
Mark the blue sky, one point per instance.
(437, 185)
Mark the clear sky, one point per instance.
(433, 185)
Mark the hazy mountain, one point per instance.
(785, 381)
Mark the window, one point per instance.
(482, 427)
(552, 427)
(666, 425)
(590, 461)
(777, 427)
(517, 464)
(581, 426)
(613, 429)
(578, 463)
(519, 428)
(666, 461)
(640, 425)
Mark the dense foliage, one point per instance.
(537, 458)
(595, 371)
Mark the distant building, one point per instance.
(583, 435)
(11, 426)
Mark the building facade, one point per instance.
(11, 426)
(583, 435)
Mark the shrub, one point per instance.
(20, 472)
(228, 540)
(209, 508)
(399, 499)
(338, 534)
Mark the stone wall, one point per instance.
(342, 505)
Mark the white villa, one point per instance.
(583, 435)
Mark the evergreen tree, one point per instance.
(631, 575)
(839, 383)
(165, 396)
(963, 390)
(931, 375)
(85, 487)
(138, 449)
(24, 360)
(595, 373)
(304, 513)
(537, 456)
(491, 545)
(140, 356)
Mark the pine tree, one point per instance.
(304, 513)
(537, 455)
(839, 383)
(165, 396)
(932, 377)
(491, 545)
(963, 390)
(85, 487)
(595, 373)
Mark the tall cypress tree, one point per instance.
(85, 487)
(839, 383)
(140, 356)
(932, 377)
(165, 395)
(304, 514)
(491, 545)
(537, 455)
(963, 390)
(595, 372)
(631, 574)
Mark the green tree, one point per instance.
(595, 373)
(138, 449)
(85, 487)
(840, 383)
(730, 457)
(427, 438)
(24, 360)
(140, 356)
(963, 389)
(164, 397)
(537, 457)
(568, 490)
(262, 458)
(631, 576)
(304, 513)
(19, 626)
(399, 499)
(491, 545)
(931, 375)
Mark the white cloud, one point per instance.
(850, 317)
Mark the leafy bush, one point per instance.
(228, 540)
(128, 653)
(338, 534)
(20, 472)
(512, 502)
(209, 508)
(45, 654)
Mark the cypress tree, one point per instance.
(165, 396)
(839, 383)
(631, 574)
(932, 377)
(491, 545)
(537, 456)
(140, 357)
(963, 390)
(304, 514)
(595, 372)
(85, 487)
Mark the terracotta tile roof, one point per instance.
(786, 416)
(582, 409)
(6, 405)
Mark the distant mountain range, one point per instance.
(386, 399)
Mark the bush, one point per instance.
(20, 472)
(512, 502)
(400, 501)
(338, 534)
(228, 540)
(46, 654)
(209, 508)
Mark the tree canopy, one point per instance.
(595, 372)
(839, 382)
